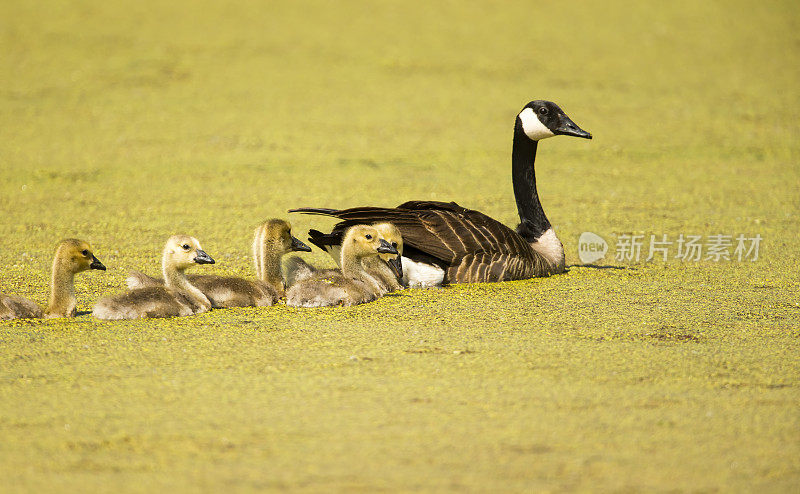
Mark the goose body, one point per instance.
(72, 256)
(447, 243)
(16, 307)
(177, 297)
(353, 284)
(222, 291)
(271, 241)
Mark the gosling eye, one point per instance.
(543, 110)
(85, 253)
(394, 244)
(185, 246)
(368, 236)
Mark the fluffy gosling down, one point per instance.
(272, 240)
(386, 270)
(353, 284)
(178, 297)
(72, 256)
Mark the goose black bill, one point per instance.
(96, 264)
(566, 127)
(397, 267)
(299, 246)
(203, 258)
(386, 248)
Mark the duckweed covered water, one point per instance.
(122, 124)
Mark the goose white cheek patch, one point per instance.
(532, 126)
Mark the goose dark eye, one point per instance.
(369, 237)
(543, 110)
(85, 253)
(185, 246)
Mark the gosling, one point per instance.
(353, 284)
(72, 256)
(178, 297)
(272, 240)
(386, 270)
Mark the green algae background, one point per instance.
(124, 122)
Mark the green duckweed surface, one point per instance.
(122, 123)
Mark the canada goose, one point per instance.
(72, 257)
(272, 240)
(350, 286)
(178, 298)
(387, 269)
(452, 244)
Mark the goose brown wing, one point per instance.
(413, 227)
(443, 230)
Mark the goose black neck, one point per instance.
(533, 221)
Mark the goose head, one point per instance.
(391, 234)
(77, 255)
(365, 241)
(541, 119)
(277, 233)
(183, 251)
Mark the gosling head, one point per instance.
(77, 255)
(542, 119)
(277, 233)
(365, 241)
(183, 251)
(391, 234)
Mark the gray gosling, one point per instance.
(272, 240)
(177, 298)
(351, 285)
(73, 256)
